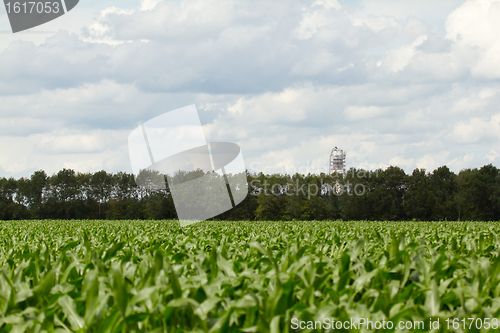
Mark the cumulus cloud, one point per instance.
(363, 112)
(203, 46)
(476, 129)
(394, 84)
(149, 4)
(69, 142)
(53, 151)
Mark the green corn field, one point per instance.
(153, 276)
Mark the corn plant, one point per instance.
(153, 276)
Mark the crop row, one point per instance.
(153, 276)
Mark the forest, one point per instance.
(390, 194)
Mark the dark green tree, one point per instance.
(419, 199)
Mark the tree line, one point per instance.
(390, 194)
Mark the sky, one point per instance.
(413, 84)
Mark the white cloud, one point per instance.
(292, 105)
(315, 19)
(53, 151)
(377, 23)
(433, 161)
(474, 28)
(476, 129)
(356, 112)
(287, 82)
(149, 4)
(69, 142)
(397, 59)
(317, 64)
(402, 162)
(492, 156)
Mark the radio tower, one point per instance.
(337, 161)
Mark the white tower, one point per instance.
(337, 160)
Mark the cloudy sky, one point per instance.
(393, 82)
